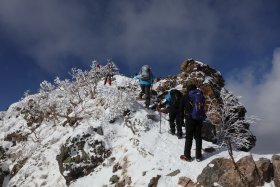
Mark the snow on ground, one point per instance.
(143, 154)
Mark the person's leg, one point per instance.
(147, 94)
(142, 92)
(105, 81)
(178, 125)
(189, 137)
(172, 116)
(198, 139)
(110, 79)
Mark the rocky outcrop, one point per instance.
(217, 100)
(80, 156)
(4, 170)
(186, 182)
(276, 166)
(222, 171)
(208, 132)
(17, 136)
(265, 169)
(209, 81)
(168, 83)
(154, 181)
(2, 155)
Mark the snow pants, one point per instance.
(175, 121)
(145, 90)
(193, 130)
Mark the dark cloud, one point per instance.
(165, 31)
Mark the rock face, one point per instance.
(2, 160)
(208, 132)
(217, 99)
(186, 182)
(154, 181)
(265, 169)
(222, 171)
(209, 81)
(276, 167)
(80, 156)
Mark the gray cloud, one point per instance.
(160, 32)
(263, 100)
(47, 30)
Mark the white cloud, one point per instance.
(263, 100)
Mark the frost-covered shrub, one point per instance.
(65, 98)
(117, 102)
(235, 126)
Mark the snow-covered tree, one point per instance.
(68, 98)
(235, 126)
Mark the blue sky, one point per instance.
(40, 40)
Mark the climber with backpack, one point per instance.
(145, 77)
(192, 109)
(108, 72)
(172, 101)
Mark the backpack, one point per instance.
(175, 97)
(197, 101)
(145, 73)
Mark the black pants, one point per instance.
(175, 117)
(193, 130)
(146, 89)
(108, 78)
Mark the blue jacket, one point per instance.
(168, 98)
(145, 82)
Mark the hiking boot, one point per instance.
(186, 158)
(180, 136)
(171, 132)
(199, 159)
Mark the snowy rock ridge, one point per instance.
(80, 132)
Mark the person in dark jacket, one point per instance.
(172, 101)
(193, 127)
(108, 73)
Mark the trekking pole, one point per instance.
(159, 121)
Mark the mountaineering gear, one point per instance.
(197, 100)
(193, 130)
(175, 121)
(109, 73)
(179, 136)
(159, 121)
(145, 73)
(199, 159)
(193, 126)
(145, 90)
(145, 76)
(186, 158)
(172, 132)
(175, 98)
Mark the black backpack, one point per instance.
(176, 96)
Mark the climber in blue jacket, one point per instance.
(145, 77)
